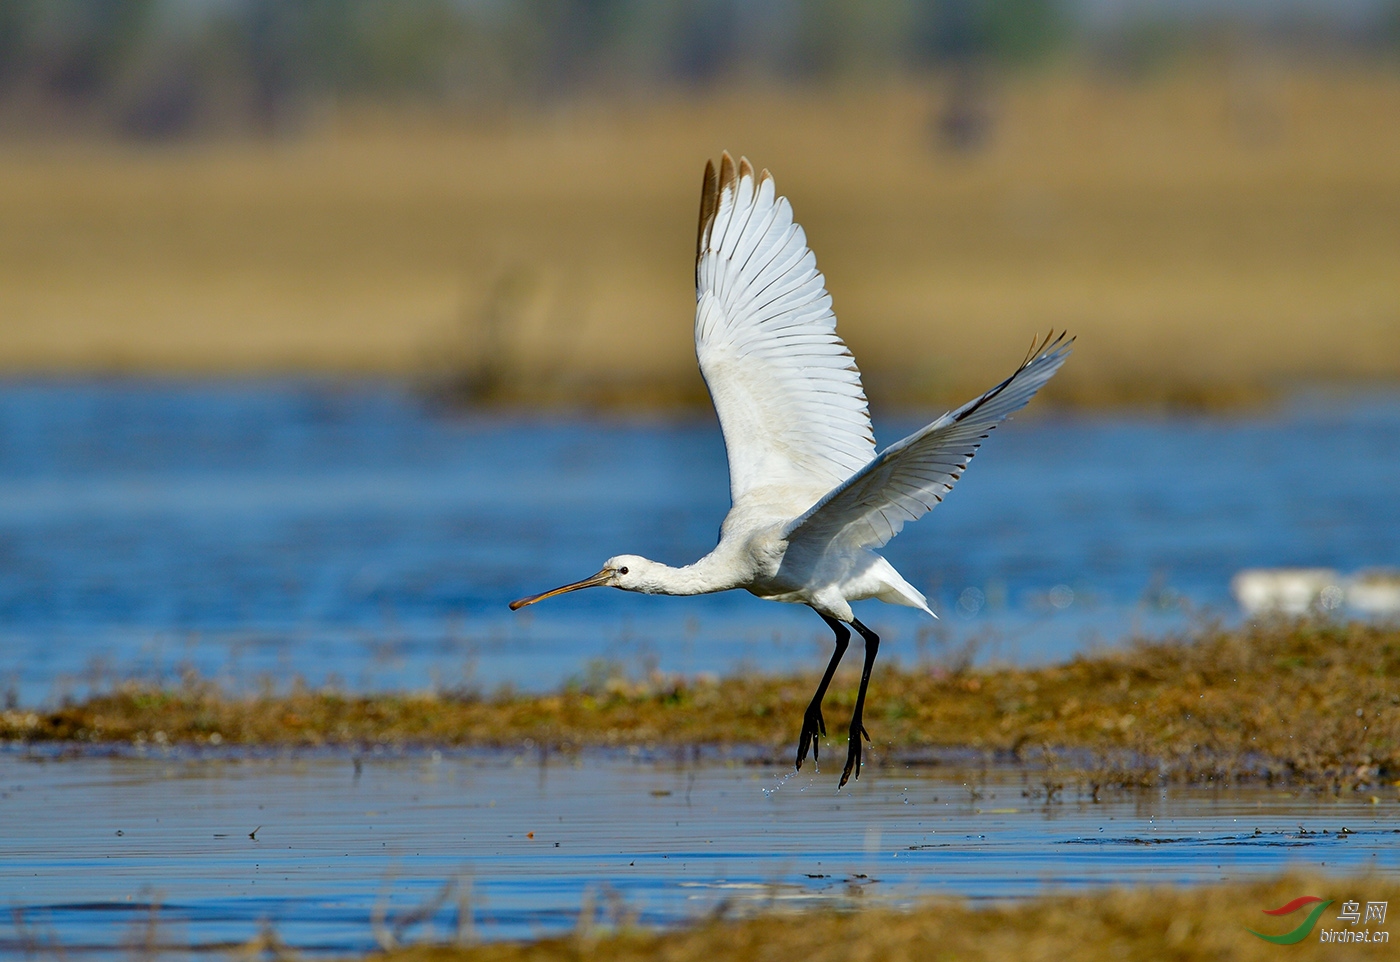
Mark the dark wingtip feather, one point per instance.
(727, 178)
(726, 170)
(709, 205)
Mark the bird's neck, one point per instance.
(704, 576)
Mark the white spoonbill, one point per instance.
(810, 498)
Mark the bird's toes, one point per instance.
(808, 739)
(852, 763)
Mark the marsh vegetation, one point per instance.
(1311, 702)
(1207, 922)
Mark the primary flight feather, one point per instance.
(810, 498)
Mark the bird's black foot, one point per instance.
(812, 725)
(853, 754)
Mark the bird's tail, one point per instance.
(901, 592)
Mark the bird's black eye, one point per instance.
(622, 570)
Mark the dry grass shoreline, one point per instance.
(1149, 923)
(1295, 703)
(1212, 235)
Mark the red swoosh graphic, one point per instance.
(1293, 906)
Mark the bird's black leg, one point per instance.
(872, 647)
(812, 721)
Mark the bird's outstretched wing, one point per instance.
(911, 476)
(785, 387)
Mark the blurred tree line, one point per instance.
(163, 68)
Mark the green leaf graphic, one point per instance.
(1298, 934)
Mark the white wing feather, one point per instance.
(911, 476)
(785, 387)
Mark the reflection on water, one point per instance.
(345, 533)
(319, 845)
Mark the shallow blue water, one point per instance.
(95, 848)
(347, 533)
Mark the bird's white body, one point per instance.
(810, 498)
(763, 563)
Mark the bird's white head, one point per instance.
(626, 571)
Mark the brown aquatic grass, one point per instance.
(1310, 701)
(1179, 924)
(1211, 234)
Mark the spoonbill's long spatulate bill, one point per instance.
(811, 499)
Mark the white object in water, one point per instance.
(1288, 591)
(810, 498)
(1375, 592)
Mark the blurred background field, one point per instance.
(500, 198)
